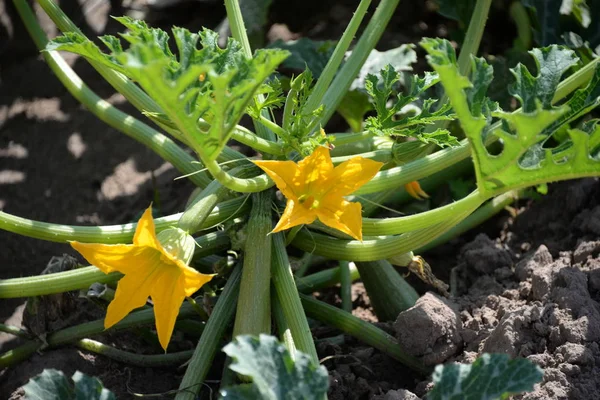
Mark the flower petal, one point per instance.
(284, 174)
(168, 293)
(125, 258)
(293, 215)
(131, 293)
(343, 216)
(145, 232)
(315, 170)
(192, 279)
(351, 175)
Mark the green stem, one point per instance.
(202, 360)
(343, 139)
(140, 360)
(473, 36)
(238, 31)
(285, 334)
(484, 213)
(389, 293)
(361, 330)
(157, 142)
(397, 225)
(322, 279)
(109, 234)
(13, 330)
(253, 315)
(287, 294)
(339, 53)
(383, 155)
(252, 185)
(349, 71)
(376, 248)
(81, 278)
(279, 131)
(345, 286)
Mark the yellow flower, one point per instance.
(315, 189)
(150, 271)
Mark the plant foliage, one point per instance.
(52, 384)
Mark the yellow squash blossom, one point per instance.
(315, 189)
(150, 271)
(414, 190)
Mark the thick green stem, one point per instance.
(253, 315)
(82, 278)
(339, 53)
(251, 185)
(322, 279)
(283, 328)
(109, 234)
(373, 249)
(345, 286)
(361, 330)
(389, 293)
(353, 64)
(140, 360)
(287, 294)
(207, 346)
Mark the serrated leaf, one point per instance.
(306, 54)
(52, 384)
(490, 377)
(552, 63)
(208, 83)
(579, 9)
(523, 161)
(460, 11)
(275, 375)
(353, 108)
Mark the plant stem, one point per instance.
(331, 68)
(349, 71)
(376, 248)
(361, 330)
(81, 278)
(397, 225)
(285, 334)
(287, 294)
(473, 36)
(345, 286)
(253, 315)
(251, 185)
(484, 213)
(322, 279)
(140, 360)
(13, 330)
(207, 346)
(389, 293)
(109, 234)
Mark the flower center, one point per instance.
(308, 201)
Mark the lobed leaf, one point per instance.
(490, 377)
(52, 384)
(207, 83)
(275, 375)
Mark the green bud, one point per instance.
(408, 151)
(177, 243)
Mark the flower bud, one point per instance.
(178, 243)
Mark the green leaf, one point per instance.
(353, 108)
(402, 58)
(579, 9)
(306, 54)
(209, 83)
(491, 376)
(275, 375)
(460, 11)
(552, 63)
(524, 160)
(272, 98)
(54, 385)
(547, 13)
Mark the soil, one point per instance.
(527, 285)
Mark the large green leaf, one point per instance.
(275, 375)
(490, 377)
(52, 384)
(207, 83)
(524, 161)
(306, 54)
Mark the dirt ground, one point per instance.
(528, 285)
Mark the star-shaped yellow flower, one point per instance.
(315, 189)
(150, 271)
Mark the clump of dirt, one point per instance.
(542, 304)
